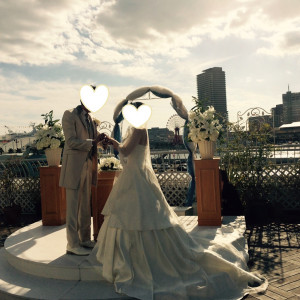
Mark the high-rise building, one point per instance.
(277, 114)
(211, 89)
(291, 107)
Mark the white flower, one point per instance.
(46, 141)
(203, 126)
(49, 136)
(55, 143)
(109, 163)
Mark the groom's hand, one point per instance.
(102, 140)
(101, 137)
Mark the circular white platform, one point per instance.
(41, 251)
(34, 263)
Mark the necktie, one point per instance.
(91, 135)
(89, 126)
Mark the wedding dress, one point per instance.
(146, 253)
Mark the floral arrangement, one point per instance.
(50, 134)
(203, 123)
(109, 164)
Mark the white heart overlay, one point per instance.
(93, 100)
(136, 117)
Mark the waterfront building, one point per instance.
(291, 107)
(211, 90)
(160, 137)
(288, 133)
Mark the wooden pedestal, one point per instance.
(53, 197)
(99, 196)
(208, 192)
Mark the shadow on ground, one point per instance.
(270, 245)
(6, 230)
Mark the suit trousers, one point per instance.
(78, 218)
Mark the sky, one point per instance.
(49, 49)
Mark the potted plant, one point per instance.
(204, 128)
(12, 211)
(50, 137)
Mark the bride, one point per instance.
(144, 250)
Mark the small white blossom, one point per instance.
(109, 163)
(55, 143)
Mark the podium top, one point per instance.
(215, 158)
(207, 163)
(50, 166)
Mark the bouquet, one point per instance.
(203, 124)
(50, 134)
(109, 164)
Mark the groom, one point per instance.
(78, 174)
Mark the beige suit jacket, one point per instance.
(76, 149)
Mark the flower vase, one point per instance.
(53, 156)
(207, 149)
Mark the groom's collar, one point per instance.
(80, 109)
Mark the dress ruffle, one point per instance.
(169, 264)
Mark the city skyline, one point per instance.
(50, 50)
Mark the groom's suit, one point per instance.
(78, 173)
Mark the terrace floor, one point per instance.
(274, 251)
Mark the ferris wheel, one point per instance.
(175, 124)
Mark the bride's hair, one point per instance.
(137, 104)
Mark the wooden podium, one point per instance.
(53, 197)
(100, 194)
(208, 192)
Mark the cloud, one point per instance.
(23, 100)
(133, 31)
(136, 43)
(278, 10)
(292, 39)
(51, 32)
(38, 32)
(282, 43)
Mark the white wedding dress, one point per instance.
(146, 253)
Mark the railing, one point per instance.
(24, 167)
(279, 177)
(265, 177)
(25, 184)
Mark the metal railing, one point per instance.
(171, 169)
